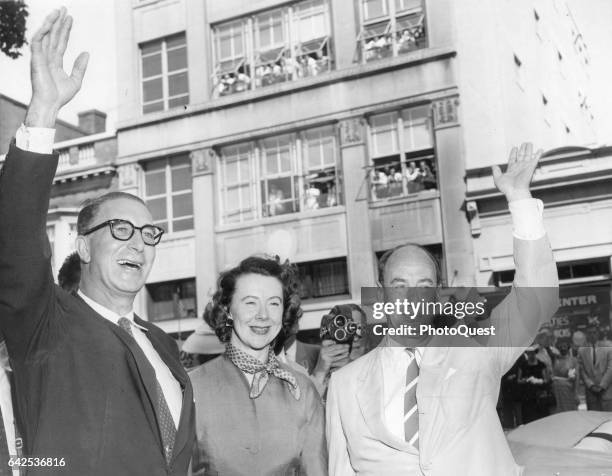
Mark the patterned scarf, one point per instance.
(261, 372)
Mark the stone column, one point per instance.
(458, 266)
(360, 259)
(129, 178)
(204, 200)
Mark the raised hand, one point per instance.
(514, 182)
(52, 87)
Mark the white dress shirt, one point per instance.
(35, 139)
(170, 386)
(527, 225)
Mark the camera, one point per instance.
(339, 326)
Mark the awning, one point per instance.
(229, 66)
(375, 30)
(270, 56)
(313, 46)
(409, 22)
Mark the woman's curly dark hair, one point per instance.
(216, 316)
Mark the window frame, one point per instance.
(393, 22)
(404, 154)
(165, 74)
(298, 174)
(285, 59)
(222, 186)
(169, 193)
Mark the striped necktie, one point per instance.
(411, 414)
(165, 421)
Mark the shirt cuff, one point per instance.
(527, 218)
(35, 139)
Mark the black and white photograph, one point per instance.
(306, 237)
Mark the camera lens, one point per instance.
(340, 335)
(351, 327)
(340, 321)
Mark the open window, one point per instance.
(320, 164)
(232, 72)
(279, 180)
(280, 175)
(390, 28)
(402, 152)
(274, 46)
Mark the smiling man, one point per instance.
(419, 406)
(99, 391)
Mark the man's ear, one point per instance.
(82, 247)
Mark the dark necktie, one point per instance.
(5, 469)
(411, 413)
(594, 355)
(165, 421)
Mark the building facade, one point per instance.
(12, 114)
(329, 131)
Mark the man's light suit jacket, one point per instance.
(601, 372)
(459, 429)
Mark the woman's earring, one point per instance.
(229, 321)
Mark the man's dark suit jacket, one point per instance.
(85, 390)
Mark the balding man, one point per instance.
(417, 406)
(99, 391)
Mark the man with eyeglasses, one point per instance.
(99, 391)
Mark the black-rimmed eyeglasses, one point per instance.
(123, 230)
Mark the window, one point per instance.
(390, 28)
(238, 189)
(275, 46)
(171, 300)
(279, 178)
(279, 175)
(401, 147)
(572, 272)
(323, 278)
(168, 193)
(321, 177)
(164, 74)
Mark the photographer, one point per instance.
(335, 353)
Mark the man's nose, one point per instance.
(136, 242)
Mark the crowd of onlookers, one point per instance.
(552, 377)
(278, 70)
(316, 195)
(381, 46)
(390, 181)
